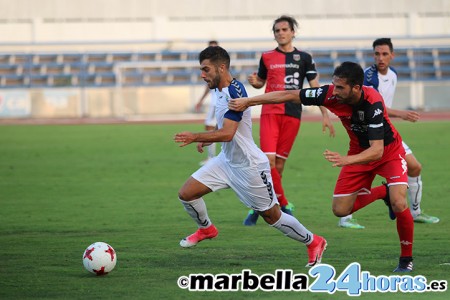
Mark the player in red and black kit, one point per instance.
(284, 68)
(375, 149)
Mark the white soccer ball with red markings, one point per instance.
(99, 258)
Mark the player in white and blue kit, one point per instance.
(240, 165)
(210, 117)
(382, 77)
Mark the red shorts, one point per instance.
(359, 178)
(277, 134)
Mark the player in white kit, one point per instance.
(210, 118)
(240, 165)
(382, 77)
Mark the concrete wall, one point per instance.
(43, 21)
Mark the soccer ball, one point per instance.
(99, 258)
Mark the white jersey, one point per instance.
(241, 165)
(210, 119)
(242, 150)
(386, 86)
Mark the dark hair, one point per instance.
(216, 54)
(350, 71)
(285, 18)
(383, 41)
(213, 42)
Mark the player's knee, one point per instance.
(272, 215)
(183, 195)
(341, 211)
(414, 170)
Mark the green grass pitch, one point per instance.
(65, 187)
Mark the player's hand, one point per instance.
(326, 123)
(185, 138)
(252, 78)
(335, 158)
(411, 116)
(201, 145)
(238, 104)
(198, 107)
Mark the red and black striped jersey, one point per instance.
(365, 121)
(285, 71)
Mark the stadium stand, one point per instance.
(106, 69)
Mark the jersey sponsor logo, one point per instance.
(280, 66)
(377, 112)
(311, 94)
(292, 79)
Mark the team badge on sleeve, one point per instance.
(310, 94)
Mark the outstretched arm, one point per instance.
(225, 134)
(407, 115)
(242, 104)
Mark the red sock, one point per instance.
(276, 178)
(376, 193)
(405, 229)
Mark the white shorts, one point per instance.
(211, 116)
(252, 186)
(407, 149)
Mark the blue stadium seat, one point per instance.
(97, 69)
(39, 80)
(10, 69)
(71, 58)
(13, 81)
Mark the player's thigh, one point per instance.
(414, 166)
(288, 133)
(212, 176)
(394, 169)
(354, 179)
(269, 131)
(254, 188)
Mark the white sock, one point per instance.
(292, 228)
(212, 150)
(415, 194)
(345, 219)
(197, 210)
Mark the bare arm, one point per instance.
(407, 115)
(200, 102)
(242, 104)
(225, 134)
(374, 152)
(256, 81)
(326, 122)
